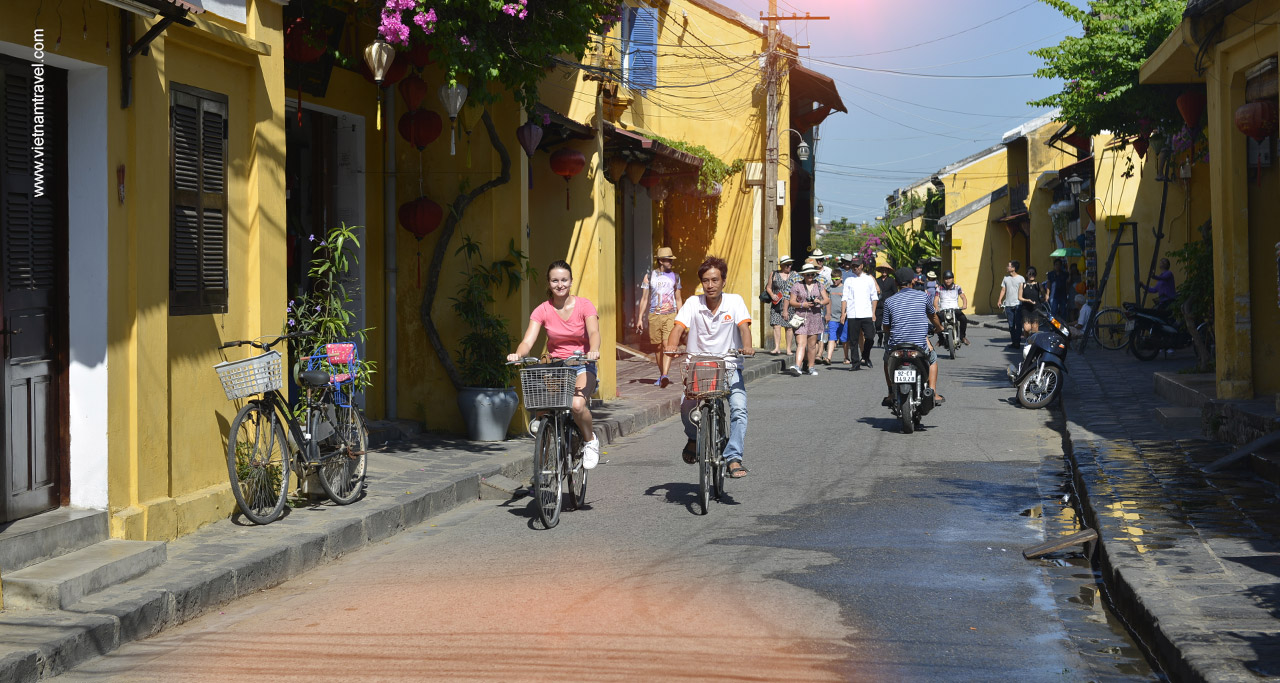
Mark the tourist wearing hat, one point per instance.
(659, 301)
(860, 300)
(824, 271)
(931, 284)
(886, 286)
(808, 299)
(950, 296)
(779, 291)
(835, 326)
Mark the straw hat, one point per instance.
(817, 254)
(809, 269)
(785, 259)
(665, 252)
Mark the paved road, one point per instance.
(851, 552)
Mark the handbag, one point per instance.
(766, 299)
(796, 321)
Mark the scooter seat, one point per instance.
(908, 347)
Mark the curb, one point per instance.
(39, 645)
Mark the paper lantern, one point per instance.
(452, 97)
(614, 168)
(567, 163)
(650, 179)
(1191, 106)
(529, 134)
(1140, 144)
(420, 127)
(392, 72)
(1257, 119)
(420, 217)
(420, 56)
(413, 89)
(635, 171)
(296, 45)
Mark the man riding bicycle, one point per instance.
(951, 297)
(717, 323)
(907, 315)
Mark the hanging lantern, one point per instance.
(395, 71)
(378, 56)
(1257, 119)
(614, 168)
(452, 98)
(529, 134)
(635, 171)
(297, 48)
(658, 192)
(413, 89)
(567, 163)
(420, 56)
(470, 117)
(650, 179)
(420, 127)
(1191, 106)
(1140, 144)
(420, 217)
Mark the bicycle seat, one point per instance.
(313, 378)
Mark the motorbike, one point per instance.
(1154, 329)
(1044, 363)
(950, 331)
(911, 397)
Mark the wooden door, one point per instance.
(32, 288)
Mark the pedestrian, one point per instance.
(860, 298)
(779, 290)
(888, 286)
(917, 279)
(808, 298)
(835, 326)
(660, 297)
(951, 296)
(907, 316)
(846, 266)
(824, 271)
(1030, 297)
(718, 323)
(931, 285)
(1164, 288)
(1010, 288)
(1060, 290)
(573, 326)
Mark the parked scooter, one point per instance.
(912, 398)
(1044, 362)
(1156, 329)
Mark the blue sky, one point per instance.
(900, 128)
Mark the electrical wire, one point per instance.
(895, 72)
(941, 38)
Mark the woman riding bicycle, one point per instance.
(573, 326)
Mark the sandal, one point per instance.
(737, 470)
(690, 453)
(938, 399)
(846, 362)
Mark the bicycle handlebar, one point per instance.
(737, 353)
(574, 359)
(267, 346)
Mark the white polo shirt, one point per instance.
(858, 294)
(714, 332)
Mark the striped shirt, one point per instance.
(907, 316)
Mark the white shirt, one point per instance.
(825, 272)
(714, 332)
(859, 293)
(949, 298)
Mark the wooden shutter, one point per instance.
(198, 222)
(642, 48)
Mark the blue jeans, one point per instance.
(1013, 316)
(737, 416)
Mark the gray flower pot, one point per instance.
(487, 412)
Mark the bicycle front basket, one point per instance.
(547, 387)
(704, 377)
(257, 375)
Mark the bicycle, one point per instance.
(1111, 328)
(548, 390)
(332, 444)
(706, 381)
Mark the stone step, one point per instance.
(1191, 391)
(1178, 417)
(498, 487)
(62, 581)
(48, 535)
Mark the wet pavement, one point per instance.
(1192, 559)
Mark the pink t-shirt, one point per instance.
(565, 336)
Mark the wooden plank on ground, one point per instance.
(1078, 538)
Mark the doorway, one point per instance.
(33, 290)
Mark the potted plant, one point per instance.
(486, 399)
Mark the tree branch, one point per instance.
(460, 204)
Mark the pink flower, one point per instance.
(464, 40)
(426, 21)
(524, 13)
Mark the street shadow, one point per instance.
(686, 494)
(889, 424)
(1266, 647)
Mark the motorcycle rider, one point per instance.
(951, 296)
(907, 315)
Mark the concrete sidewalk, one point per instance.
(408, 483)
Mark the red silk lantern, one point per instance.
(413, 89)
(1140, 145)
(649, 179)
(420, 127)
(420, 217)
(1257, 119)
(567, 163)
(420, 56)
(296, 47)
(1191, 106)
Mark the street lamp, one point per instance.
(821, 208)
(1075, 183)
(803, 150)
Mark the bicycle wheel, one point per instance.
(706, 446)
(547, 479)
(1144, 344)
(719, 470)
(257, 463)
(1111, 329)
(577, 473)
(342, 464)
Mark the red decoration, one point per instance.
(1257, 119)
(398, 69)
(420, 127)
(567, 163)
(1140, 145)
(296, 47)
(1191, 106)
(420, 56)
(420, 217)
(650, 179)
(413, 89)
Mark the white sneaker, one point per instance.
(813, 371)
(795, 372)
(591, 454)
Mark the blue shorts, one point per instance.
(837, 332)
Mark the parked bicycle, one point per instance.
(706, 381)
(548, 390)
(332, 443)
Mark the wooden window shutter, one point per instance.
(642, 49)
(198, 221)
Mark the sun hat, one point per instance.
(808, 269)
(665, 252)
(856, 260)
(785, 259)
(931, 275)
(817, 254)
(888, 270)
(846, 257)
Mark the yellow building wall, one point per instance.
(984, 245)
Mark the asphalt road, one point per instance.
(851, 552)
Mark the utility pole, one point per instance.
(772, 75)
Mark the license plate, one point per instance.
(904, 376)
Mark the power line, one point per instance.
(895, 72)
(941, 38)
